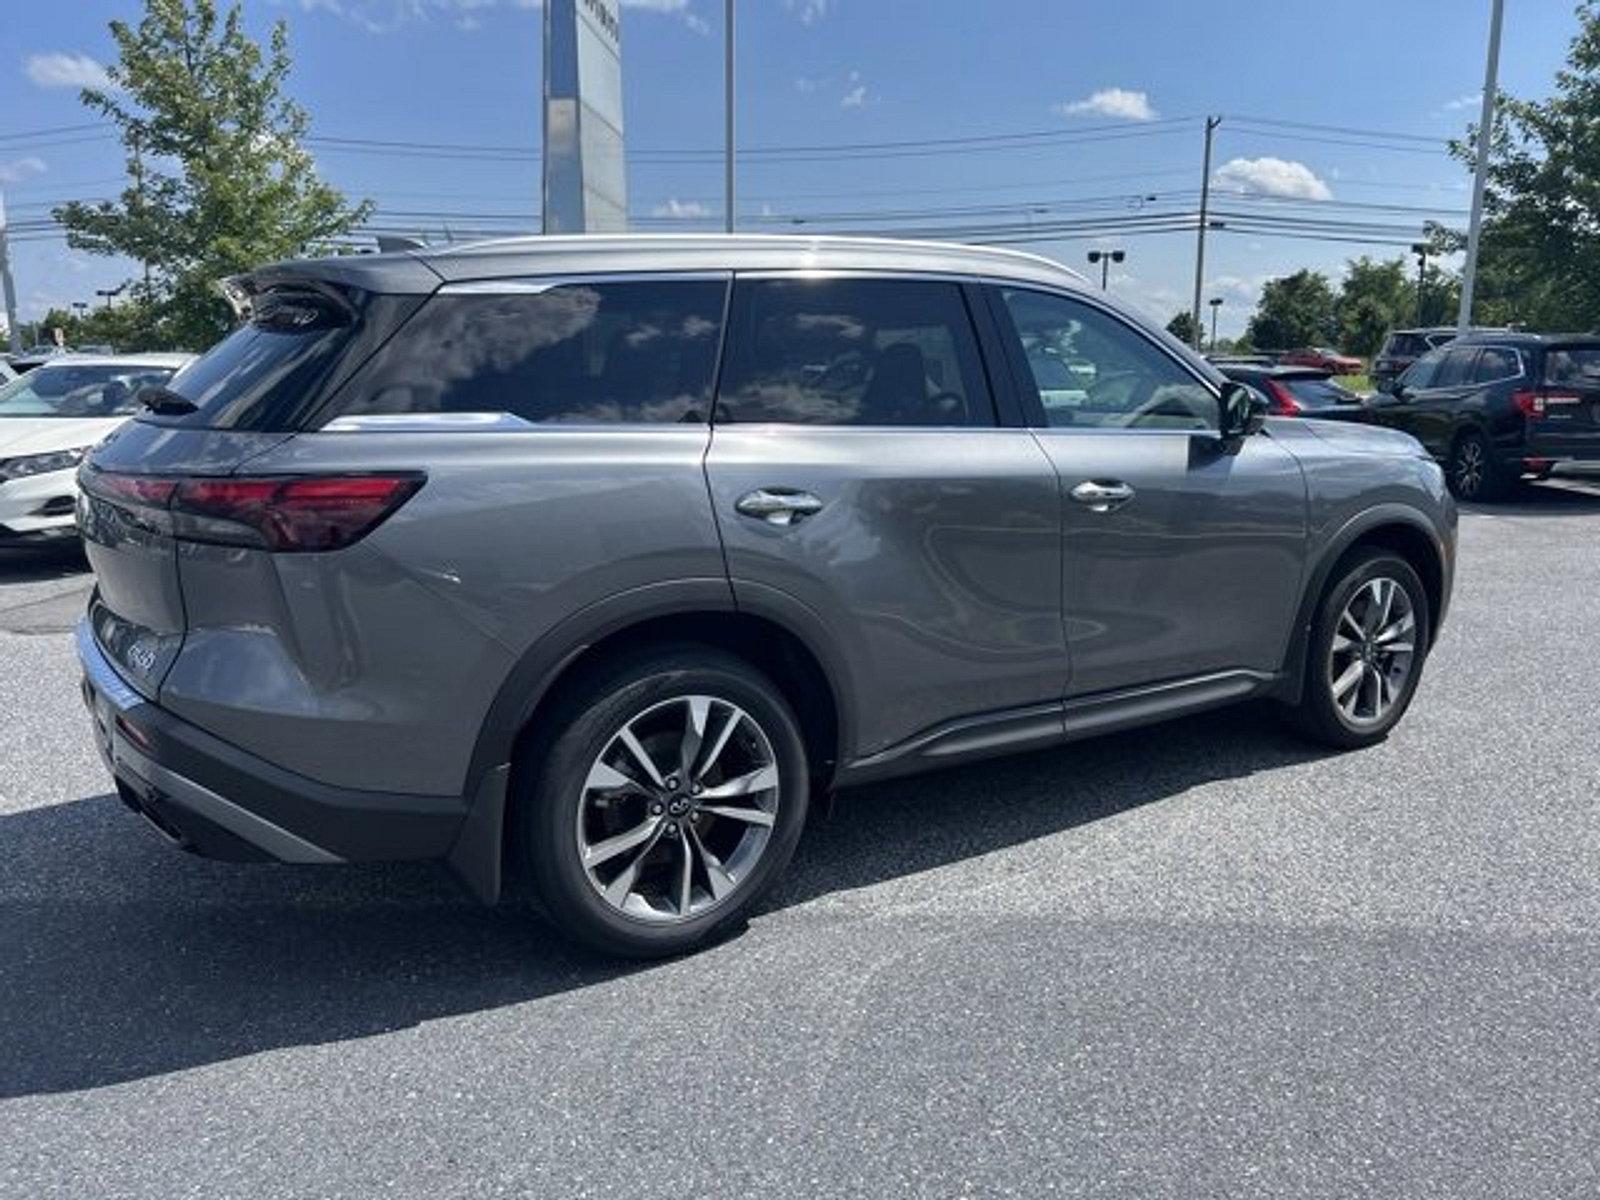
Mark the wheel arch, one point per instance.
(1395, 527)
(770, 631)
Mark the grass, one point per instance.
(1356, 383)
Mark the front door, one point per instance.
(857, 471)
(1182, 555)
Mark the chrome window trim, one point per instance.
(536, 285)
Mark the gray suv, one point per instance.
(583, 564)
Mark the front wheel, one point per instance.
(671, 793)
(1365, 655)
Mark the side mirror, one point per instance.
(1244, 411)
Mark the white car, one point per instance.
(51, 417)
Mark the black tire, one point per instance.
(1472, 472)
(1318, 715)
(551, 788)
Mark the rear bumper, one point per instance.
(217, 800)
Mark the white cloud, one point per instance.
(808, 11)
(1464, 101)
(1269, 176)
(66, 71)
(856, 95)
(1120, 103)
(686, 210)
(19, 169)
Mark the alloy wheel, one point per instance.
(1470, 467)
(1373, 651)
(678, 808)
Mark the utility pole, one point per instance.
(1491, 72)
(138, 193)
(13, 333)
(1205, 219)
(1216, 303)
(727, 104)
(1420, 249)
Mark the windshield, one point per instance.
(71, 390)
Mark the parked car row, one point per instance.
(1492, 406)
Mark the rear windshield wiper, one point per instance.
(165, 401)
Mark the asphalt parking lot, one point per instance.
(1189, 961)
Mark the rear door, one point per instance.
(1182, 556)
(860, 476)
(1435, 412)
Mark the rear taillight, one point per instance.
(1529, 404)
(1283, 402)
(284, 513)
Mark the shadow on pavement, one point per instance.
(121, 958)
(39, 564)
(1560, 497)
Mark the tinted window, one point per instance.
(1420, 374)
(1573, 365)
(1495, 362)
(1405, 345)
(1456, 368)
(581, 353)
(79, 391)
(853, 352)
(1318, 393)
(1100, 371)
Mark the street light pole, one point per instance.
(1105, 258)
(1420, 249)
(1205, 219)
(1491, 71)
(727, 104)
(1216, 304)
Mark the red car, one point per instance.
(1324, 360)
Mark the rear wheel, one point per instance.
(1365, 655)
(1472, 472)
(670, 795)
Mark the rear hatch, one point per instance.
(1564, 412)
(145, 496)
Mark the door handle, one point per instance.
(778, 506)
(1102, 495)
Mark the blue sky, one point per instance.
(1116, 92)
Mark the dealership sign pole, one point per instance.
(1469, 273)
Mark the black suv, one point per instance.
(1402, 348)
(1496, 407)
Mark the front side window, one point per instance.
(853, 352)
(589, 353)
(1421, 373)
(1496, 363)
(79, 391)
(1456, 369)
(1090, 369)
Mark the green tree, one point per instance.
(1296, 310)
(219, 181)
(1374, 298)
(1539, 260)
(1183, 328)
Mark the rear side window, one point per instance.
(1496, 363)
(589, 353)
(853, 352)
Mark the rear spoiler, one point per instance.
(242, 292)
(396, 274)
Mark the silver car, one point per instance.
(584, 564)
